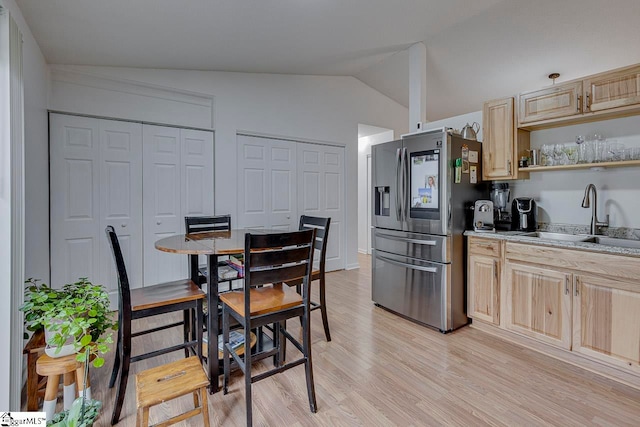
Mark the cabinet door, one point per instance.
(606, 320)
(484, 289)
(498, 150)
(615, 89)
(561, 100)
(538, 303)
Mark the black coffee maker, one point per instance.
(524, 214)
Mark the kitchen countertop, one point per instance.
(518, 236)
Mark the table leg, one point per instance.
(212, 323)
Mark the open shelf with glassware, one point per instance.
(616, 164)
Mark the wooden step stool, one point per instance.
(71, 370)
(170, 381)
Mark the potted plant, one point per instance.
(76, 315)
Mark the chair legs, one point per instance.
(306, 346)
(124, 376)
(323, 310)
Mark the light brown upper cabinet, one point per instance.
(562, 100)
(603, 96)
(502, 141)
(613, 89)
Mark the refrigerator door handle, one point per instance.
(404, 167)
(411, 266)
(408, 240)
(398, 186)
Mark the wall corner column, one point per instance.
(417, 86)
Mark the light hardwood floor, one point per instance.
(382, 370)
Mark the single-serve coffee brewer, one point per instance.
(524, 214)
(500, 199)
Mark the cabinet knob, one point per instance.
(123, 225)
(158, 222)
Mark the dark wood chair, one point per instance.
(181, 295)
(321, 225)
(271, 260)
(205, 224)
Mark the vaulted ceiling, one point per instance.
(476, 49)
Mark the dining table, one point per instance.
(213, 244)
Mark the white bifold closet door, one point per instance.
(280, 180)
(321, 193)
(96, 180)
(141, 179)
(267, 188)
(178, 182)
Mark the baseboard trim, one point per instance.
(353, 266)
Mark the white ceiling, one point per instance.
(476, 49)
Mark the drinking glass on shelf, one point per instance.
(547, 155)
(602, 150)
(571, 151)
(589, 152)
(616, 151)
(581, 146)
(559, 156)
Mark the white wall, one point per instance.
(318, 108)
(36, 181)
(364, 150)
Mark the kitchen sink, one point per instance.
(612, 241)
(562, 236)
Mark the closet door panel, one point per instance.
(121, 199)
(321, 193)
(75, 204)
(161, 203)
(197, 172)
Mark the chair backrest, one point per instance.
(277, 258)
(124, 290)
(201, 224)
(321, 225)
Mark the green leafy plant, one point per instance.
(78, 312)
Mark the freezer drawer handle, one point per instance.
(411, 266)
(404, 239)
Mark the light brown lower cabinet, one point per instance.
(583, 302)
(484, 294)
(606, 320)
(484, 269)
(538, 303)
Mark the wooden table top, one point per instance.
(209, 243)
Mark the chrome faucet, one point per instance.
(586, 202)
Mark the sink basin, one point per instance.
(561, 236)
(612, 241)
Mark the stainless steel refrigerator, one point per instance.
(423, 186)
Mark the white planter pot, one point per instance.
(67, 349)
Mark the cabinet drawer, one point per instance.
(487, 247)
(618, 266)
